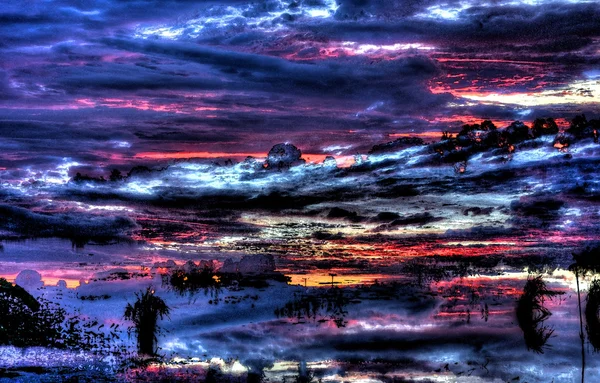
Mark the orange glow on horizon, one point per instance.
(432, 135)
(323, 279)
(48, 281)
(455, 119)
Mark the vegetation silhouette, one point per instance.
(477, 138)
(580, 127)
(587, 262)
(255, 377)
(544, 126)
(115, 176)
(318, 305)
(305, 375)
(144, 314)
(591, 314)
(194, 279)
(531, 314)
(26, 322)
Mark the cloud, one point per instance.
(419, 219)
(536, 211)
(76, 226)
(5, 89)
(353, 78)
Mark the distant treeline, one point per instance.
(452, 148)
(476, 138)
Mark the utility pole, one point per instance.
(332, 275)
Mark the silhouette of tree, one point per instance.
(115, 175)
(586, 261)
(544, 126)
(80, 178)
(8, 289)
(255, 377)
(446, 136)
(398, 144)
(578, 126)
(305, 375)
(26, 321)
(213, 375)
(140, 169)
(318, 304)
(531, 314)
(591, 314)
(487, 126)
(516, 132)
(144, 314)
(424, 271)
(194, 280)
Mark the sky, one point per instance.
(187, 98)
(100, 83)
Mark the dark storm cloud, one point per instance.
(133, 80)
(19, 221)
(536, 211)
(360, 9)
(176, 66)
(420, 219)
(198, 136)
(355, 77)
(516, 24)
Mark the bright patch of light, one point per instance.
(85, 13)
(400, 327)
(120, 144)
(162, 31)
(318, 13)
(592, 74)
(573, 211)
(61, 174)
(376, 105)
(336, 148)
(327, 10)
(238, 368)
(579, 92)
(90, 207)
(363, 49)
(219, 17)
(452, 12)
(444, 11)
(480, 243)
(406, 154)
(175, 345)
(142, 187)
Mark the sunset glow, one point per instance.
(300, 191)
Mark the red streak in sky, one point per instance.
(183, 155)
(310, 157)
(491, 61)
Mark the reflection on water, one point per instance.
(425, 317)
(591, 314)
(531, 314)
